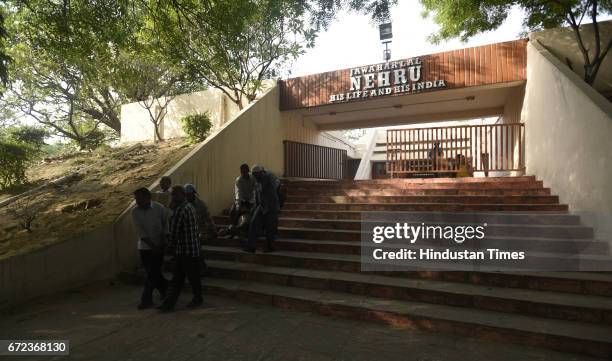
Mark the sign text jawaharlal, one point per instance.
(394, 77)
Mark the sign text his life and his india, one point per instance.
(394, 77)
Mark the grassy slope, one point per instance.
(109, 177)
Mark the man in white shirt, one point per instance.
(244, 197)
(151, 224)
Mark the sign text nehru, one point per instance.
(394, 77)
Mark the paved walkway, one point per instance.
(102, 323)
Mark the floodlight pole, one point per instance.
(386, 33)
(387, 51)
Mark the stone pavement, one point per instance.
(102, 323)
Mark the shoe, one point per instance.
(195, 303)
(269, 249)
(250, 250)
(145, 305)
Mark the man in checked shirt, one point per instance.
(184, 236)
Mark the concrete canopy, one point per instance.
(456, 104)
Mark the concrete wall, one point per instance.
(137, 126)
(254, 136)
(296, 129)
(562, 43)
(364, 171)
(85, 259)
(514, 106)
(568, 138)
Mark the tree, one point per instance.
(49, 92)
(153, 82)
(231, 45)
(64, 55)
(323, 12)
(234, 45)
(466, 18)
(4, 58)
(68, 56)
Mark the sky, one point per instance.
(352, 40)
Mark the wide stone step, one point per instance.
(545, 260)
(576, 337)
(404, 185)
(427, 207)
(589, 283)
(419, 192)
(355, 235)
(593, 309)
(426, 199)
(461, 180)
(533, 244)
(508, 230)
(490, 229)
(297, 245)
(533, 218)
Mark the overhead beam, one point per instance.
(413, 119)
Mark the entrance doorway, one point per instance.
(455, 150)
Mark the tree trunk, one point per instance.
(158, 137)
(591, 64)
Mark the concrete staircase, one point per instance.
(317, 264)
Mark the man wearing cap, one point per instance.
(207, 226)
(184, 236)
(267, 209)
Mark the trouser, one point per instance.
(203, 266)
(152, 263)
(236, 211)
(186, 267)
(267, 222)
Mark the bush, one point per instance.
(14, 160)
(94, 139)
(197, 126)
(35, 136)
(24, 211)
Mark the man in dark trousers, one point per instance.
(244, 193)
(267, 209)
(184, 236)
(151, 224)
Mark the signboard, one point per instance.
(393, 77)
(459, 68)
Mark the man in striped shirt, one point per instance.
(184, 236)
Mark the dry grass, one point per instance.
(96, 197)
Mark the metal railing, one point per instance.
(473, 148)
(314, 161)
